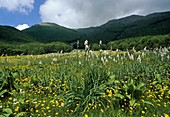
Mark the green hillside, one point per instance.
(132, 26)
(133, 31)
(9, 34)
(127, 27)
(139, 43)
(50, 32)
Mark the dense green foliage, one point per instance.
(10, 34)
(49, 32)
(86, 84)
(140, 42)
(33, 48)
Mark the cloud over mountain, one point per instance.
(86, 13)
(22, 26)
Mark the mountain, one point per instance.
(116, 29)
(10, 34)
(131, 26)
(50, 32)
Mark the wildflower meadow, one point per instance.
(86, 83)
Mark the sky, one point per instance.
(74, 13)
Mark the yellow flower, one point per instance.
(52, 101)
(27, 101)
(56, 113)
(158, 105)
(17, 108)
(31, 109)
(108, 106)
(102, 110)
(131, 108)
(36, 111)
(85, 115)
(110, 93)
(42, 105)
(143, 112)
(10, 98)
(166, 115)
(62, 104)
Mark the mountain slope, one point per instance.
(127, 27)
(132, 26)
(50, 32)
(10, 34)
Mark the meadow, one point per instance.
(86, 84)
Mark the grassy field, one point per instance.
(86, 84)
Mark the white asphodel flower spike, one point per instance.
(86, 42)
(86, 47)
(100, 42)
(78, 43)
(145, 49)
(139, 58)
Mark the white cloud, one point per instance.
(22, 27)
(22, 6)
(86, 13)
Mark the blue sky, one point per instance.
(74, 13)
(14, 18)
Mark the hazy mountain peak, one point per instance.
(48, 24)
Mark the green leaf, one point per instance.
(132, 102)
(154, 82)
(158, 76)
(131, 89)
(138, 93)
(140, 85)
(147, 102)
(21, 99)
(169, 92)
(2, 92)
(5, 115)
(129, 96)
(21, 114)
(2, 116)
(119, 95)
(7, 110)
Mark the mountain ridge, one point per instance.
(11, 34)
(116, 29)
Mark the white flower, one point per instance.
(29, 62)
(139, 58)
(100, 42)
(102, 59)
(145, 49)
(78, 42)
(54, 60)
(143, 54)
(86, 47)
(40, 62)
(134, 49)
(86, 43)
